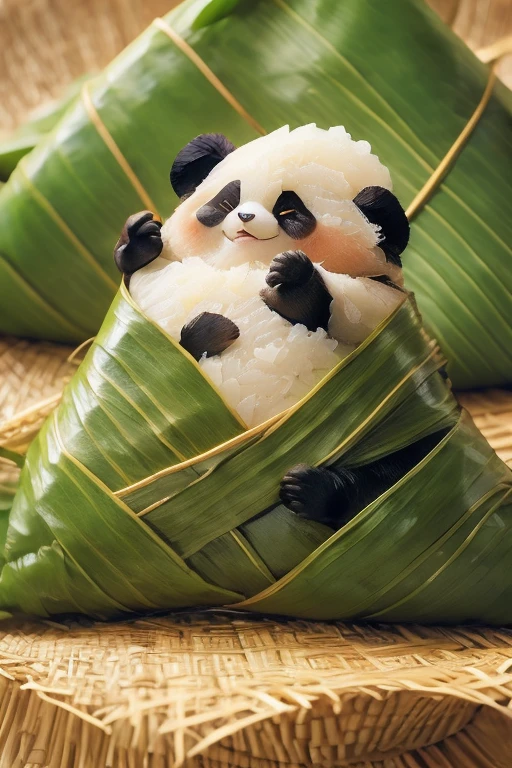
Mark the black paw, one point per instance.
(140, 243)
(210, 333)
(313, 493)
(290, 269)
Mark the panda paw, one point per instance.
(208, 333)
(140, 243)
(314, 493)
(290, 269)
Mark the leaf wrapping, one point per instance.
(143, 492)
(391, 72)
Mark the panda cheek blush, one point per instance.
(341, 253)
(188, 237)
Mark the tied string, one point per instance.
(489, 55)
(73, 356)
(205, 70)
(111, 144)
(448, 160)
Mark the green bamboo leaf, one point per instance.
(69, 504)
(212, 66)
(267, 533)
(162, 485)
(334, 416)
(231, 560)
(29, 134)
(427, 409)
(408, 515)
(16, 458)
(7, 491)
(30, 309)
(199, 523)
(212, 11)
(278, 523)
(112, 407)
(451, 586)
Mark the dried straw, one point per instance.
(492, 413)
(222, 690)
(46, 44)
(481, 24)
(32, 376)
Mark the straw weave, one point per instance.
(492, 413)
(46, 44)
(32, 376)
(253, 694)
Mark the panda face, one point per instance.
(250, 220)
(230, 230)
(286, 191)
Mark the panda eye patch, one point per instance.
(293, 216)
(216, 210)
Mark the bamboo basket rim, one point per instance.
(223, 686)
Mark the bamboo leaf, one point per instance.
(231, 560)
(204, 527)
(111, 406)
(213, 11)
(68, 514)
(213, 66)
(335, 415)
(27, 136)
(408, 516)
(7, 491)
(16, 458)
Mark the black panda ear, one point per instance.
(381, 207)
(197, 159)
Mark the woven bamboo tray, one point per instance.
(232, 692)
(220, 690)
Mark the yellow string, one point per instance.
(446, 163)
(111, 144)
(71, 358)
(491, 53)
(209, 75)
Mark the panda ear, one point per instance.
(381, 207)
(197, 159)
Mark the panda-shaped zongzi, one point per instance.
(282, 257)
(266, 271)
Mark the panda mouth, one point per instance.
(242, 234)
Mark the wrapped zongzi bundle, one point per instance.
(262, 420)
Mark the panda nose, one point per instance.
(245, 217)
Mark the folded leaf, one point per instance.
(143, 492)
(391, 72)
